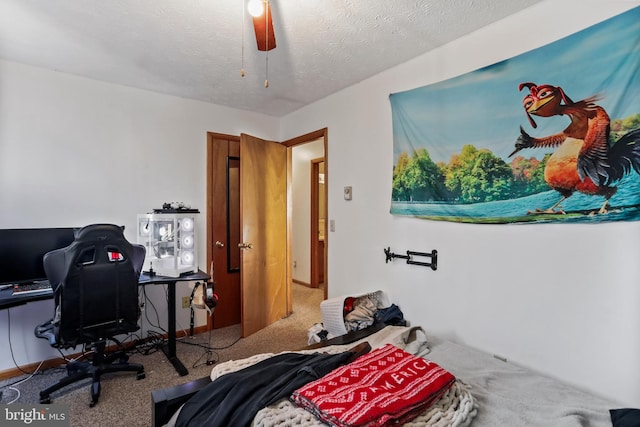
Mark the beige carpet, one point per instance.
(125, 401)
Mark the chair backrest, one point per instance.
(95, 280)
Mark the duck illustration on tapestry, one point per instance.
(586, 159)
(577, 143)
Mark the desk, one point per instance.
(7, 300)
(170, 348)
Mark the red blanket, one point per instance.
(385, 387)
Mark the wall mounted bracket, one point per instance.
(433, 256)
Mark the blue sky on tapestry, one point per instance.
(484, 107)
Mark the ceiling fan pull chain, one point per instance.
(266, 30)
(244, 12)
(266, 82)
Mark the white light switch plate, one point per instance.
(348, 194)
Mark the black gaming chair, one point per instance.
(95, 281)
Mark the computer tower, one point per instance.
(170, 240)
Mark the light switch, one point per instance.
(332, 225)
(348, 194)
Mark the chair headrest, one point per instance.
(99, 231)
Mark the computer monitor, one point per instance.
(22, 249)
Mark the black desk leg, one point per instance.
(169, 349)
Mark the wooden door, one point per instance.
(263, 217)
(317, 226)
(223, 225)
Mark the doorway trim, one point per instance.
(215, 209)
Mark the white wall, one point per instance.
(301, 210)
(561, 299)
(75, 151)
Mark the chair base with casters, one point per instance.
(100, 364)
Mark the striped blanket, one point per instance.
(385, 387)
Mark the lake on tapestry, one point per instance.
(578, 208)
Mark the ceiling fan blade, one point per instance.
(260, 25)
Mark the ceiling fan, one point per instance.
(260, 10)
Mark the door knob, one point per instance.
(219, 244)
(245, 245)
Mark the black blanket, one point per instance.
(235, 398)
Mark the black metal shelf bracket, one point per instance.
(433, 256)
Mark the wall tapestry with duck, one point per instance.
(552, 135)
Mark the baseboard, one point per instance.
(30, 368)
(300, 282)
(57, 361)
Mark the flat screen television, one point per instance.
(22, 249)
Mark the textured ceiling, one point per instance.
(193, 48)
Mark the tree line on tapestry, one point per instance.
(477, 175)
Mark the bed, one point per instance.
(488, 392)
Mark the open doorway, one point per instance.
(247, 230)
(222, 156)
(319, 137)
(308, 213)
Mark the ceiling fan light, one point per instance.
(255, 7)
